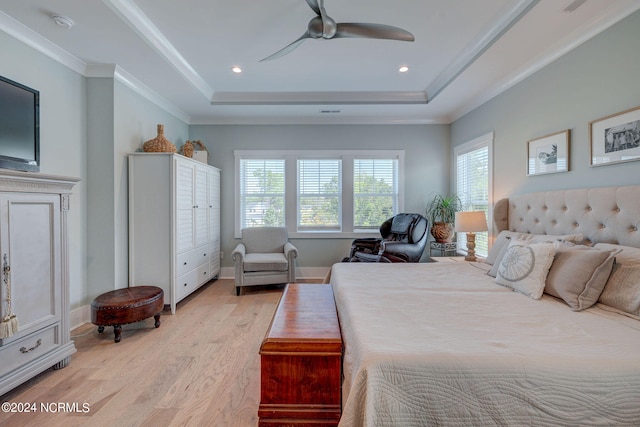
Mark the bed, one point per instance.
(444, 344)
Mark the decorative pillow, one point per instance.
(499, 244)
(578, 275)
(628, 255)
(493, 272)
(622, 291)
(503, 240)
(524, 267)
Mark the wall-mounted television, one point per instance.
(19, 126)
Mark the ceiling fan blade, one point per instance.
(313, 4)
(329, 26)
(373, 31)
(287, 49)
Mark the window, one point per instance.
(473, 184)
(318, 193)
(375, 192)
(262, 193)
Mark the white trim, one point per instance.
(133, 16)
(474, 51)
(599, 24)
(479, 142)
(306, 273)
(79, 316)
(43, 45)
(318, 98)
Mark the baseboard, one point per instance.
(79, 316)
(306, 273)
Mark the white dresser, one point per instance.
(34, 263)
(174, 223)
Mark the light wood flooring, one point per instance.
(201, 367)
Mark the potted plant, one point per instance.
(441, 213)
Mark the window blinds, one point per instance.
(262, 193)
(473, 189)
(375, 191)
(319, 194)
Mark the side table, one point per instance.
(443, 249)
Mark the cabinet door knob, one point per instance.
(185, 284)
(185, 263)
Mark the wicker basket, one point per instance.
(159, 144)
(187, 149)
(189, 146)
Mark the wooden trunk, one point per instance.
(301, 360)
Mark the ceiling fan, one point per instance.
(323, 26)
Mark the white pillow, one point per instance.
(505, 235)
(622, 290)
(525, 266)
(578, 274)
(628, 255)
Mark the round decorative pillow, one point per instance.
(517, 263)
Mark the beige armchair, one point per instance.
(264, 257)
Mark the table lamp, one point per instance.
(470, 223)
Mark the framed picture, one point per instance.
(548, 154)
(615, 138)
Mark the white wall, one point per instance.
(120, 121)
(62, 138)
(426, 167)
(599, 78)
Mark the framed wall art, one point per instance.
(548, 154)
(615, 138)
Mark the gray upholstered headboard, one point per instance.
(607, 214)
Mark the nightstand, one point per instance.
(443, 249)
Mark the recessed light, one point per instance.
(63, 21)
(236, 69)
(403, 69)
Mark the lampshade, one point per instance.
(471, 222)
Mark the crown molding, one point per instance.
(317, 98)
(135, 18)
(472, 52)
(34, 40)
(562, 47)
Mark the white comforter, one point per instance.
(442, 344)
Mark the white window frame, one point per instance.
(475, 144)
(291, 157)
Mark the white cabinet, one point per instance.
(174, 223)
(34, 268)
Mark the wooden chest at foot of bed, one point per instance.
(301, 360)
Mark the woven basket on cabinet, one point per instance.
(159, 144)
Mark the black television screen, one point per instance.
(19, 126)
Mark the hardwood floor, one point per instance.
(200, 368)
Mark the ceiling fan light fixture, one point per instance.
(62, 21)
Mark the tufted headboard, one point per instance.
(606, 214)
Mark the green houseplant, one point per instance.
(441, 213)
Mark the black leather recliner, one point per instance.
(404, 238)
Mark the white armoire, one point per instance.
(34, 266)
(174, 223)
